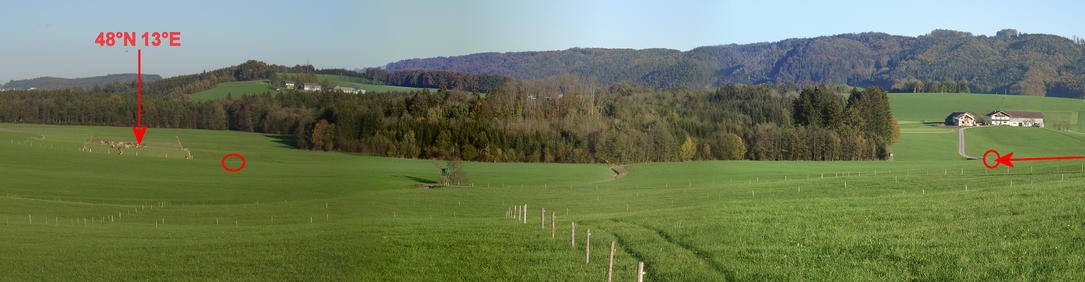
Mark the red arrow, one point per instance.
(139, 129)
(1008, 160)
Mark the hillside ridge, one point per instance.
(1007, 63)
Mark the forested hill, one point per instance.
(257, 70)
(86, 82)
(1009, 62)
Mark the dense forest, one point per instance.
(456, 80)
(1007, 63)
(553, 120)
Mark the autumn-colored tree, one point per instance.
(687, 150)
(322, 136)
(732, 147)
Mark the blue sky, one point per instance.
(55, 38)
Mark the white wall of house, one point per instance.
(1000, 119)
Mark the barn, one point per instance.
(961, 119)
(1016, 118)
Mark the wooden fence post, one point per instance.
(587, 248)
(525, 213)
(542, 219)
(572, 235)
(610, 267)
(553, 224)
(640, 271)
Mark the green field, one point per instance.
(1060, 113)
(926, 215)
(360, 83)
(235, 88)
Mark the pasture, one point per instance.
(1060, 113)
(235, 88)
(929, 214)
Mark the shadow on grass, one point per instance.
(288, 141)
(420, 180)
(933, 123)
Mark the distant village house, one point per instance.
(290, 85)
(961, 119)
(350, 90)
(310, 87)
(1016, 118)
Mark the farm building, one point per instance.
(1016, 118)
(290, 85)
(310, 87)
(350, 90)
(961, 119)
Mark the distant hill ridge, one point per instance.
(48, 82)
(1009, 62)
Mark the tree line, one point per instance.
(560, 120)
(917, 86)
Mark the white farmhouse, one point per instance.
(961, 119)
(350, 90)
(310, 87)
(1016, 118)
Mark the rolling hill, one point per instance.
(1010, 62)
(292, 214)
(86, 82)
(254, 87)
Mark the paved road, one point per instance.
(960, 143)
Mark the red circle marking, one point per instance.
(985, 158)
(233, 155)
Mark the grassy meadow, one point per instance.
(1059, 113)
(235, 88)
(299, 215)
(369, 87)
